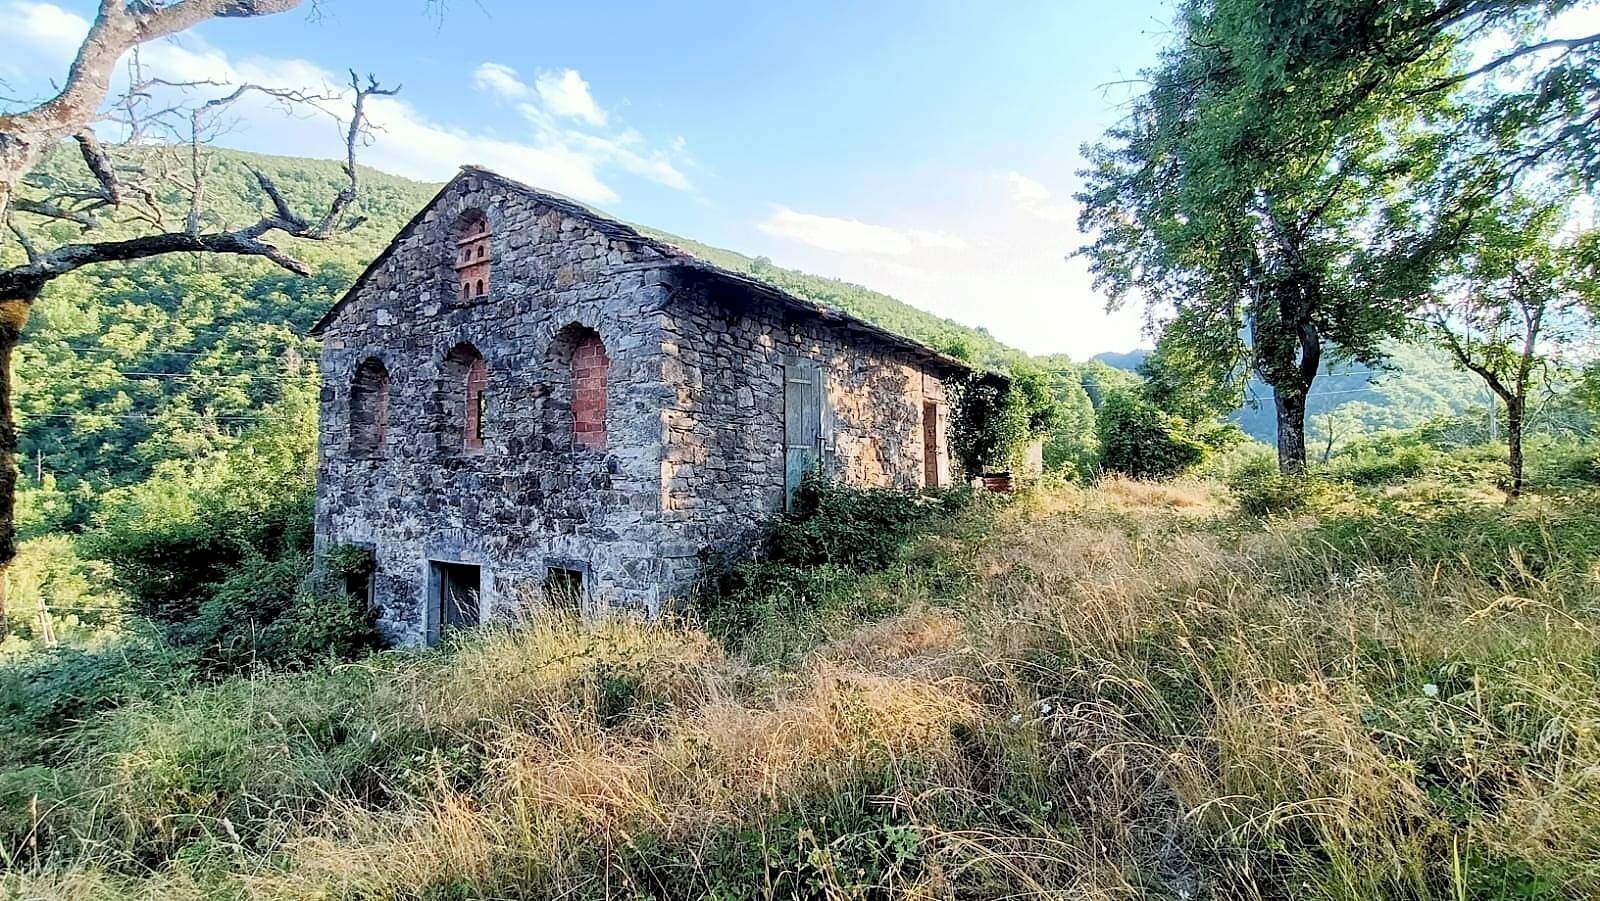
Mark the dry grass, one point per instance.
(1137, 696)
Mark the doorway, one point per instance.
(934, 461)
(455, 595)
(802, 425)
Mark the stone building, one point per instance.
(527, 402)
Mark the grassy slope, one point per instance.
(1126, 691)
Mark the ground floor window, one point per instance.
(455, 590)
(563, 588)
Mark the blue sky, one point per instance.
(926, 149)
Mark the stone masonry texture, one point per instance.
(632, 409)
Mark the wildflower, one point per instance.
(1016, 720)
(1431, 690)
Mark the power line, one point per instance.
(149, 417)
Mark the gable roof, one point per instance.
(671, 256)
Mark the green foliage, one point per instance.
(343, 561)
(993, 419)
(811, 562)
(859, 529)
(217, 551)
(1261, 490)
(49, 575)
(48, 694)
(1140, 441)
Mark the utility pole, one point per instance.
(47, 627)
(1494, 434)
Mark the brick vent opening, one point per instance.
(472, 257)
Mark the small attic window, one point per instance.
(472, 257)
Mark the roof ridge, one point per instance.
(672, 255)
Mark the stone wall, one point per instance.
(633, 411)
(531, 497)
(724, 365)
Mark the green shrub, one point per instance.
(1380, 464)
(46, 694)
(1141, 442)
(1264, 491)
(811, 563)
(1567, 466)
(267, 614)
(857, 529)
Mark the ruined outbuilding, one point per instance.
(526, 402)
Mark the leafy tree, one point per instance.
(1517, 300)
(1138, 440)
(1184, 387)
(1233, 198)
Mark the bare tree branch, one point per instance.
(50, 210)
(118, 27)
(354, 136)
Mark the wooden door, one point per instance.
(802, 424)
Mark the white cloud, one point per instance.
(989, 249)
(566, 96)
(500, 79)
(1034, 198)
(38, 34)
(565, 93)
(852, 236)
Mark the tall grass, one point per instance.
(1130, 692)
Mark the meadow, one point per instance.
(1380, 682)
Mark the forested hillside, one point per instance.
(125, 367)
(1417, 383)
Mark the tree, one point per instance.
(1261, 176)
(121, 181)
(1514, 303)
(1140, 441)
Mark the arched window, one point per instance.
(466, 398)
(472, 252)
(369, 408)
(579, 369)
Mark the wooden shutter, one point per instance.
(802, 424)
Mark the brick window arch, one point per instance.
(466, 398)
(369, 407)
(580, 370)
(472, 254)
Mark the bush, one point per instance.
(810, 564)
(267, 614)
(1262, 490)
(857, 529)
(47, 694)
(1141, 442)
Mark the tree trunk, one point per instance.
(1291, 406)
(1514, 417)
(13, 317)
